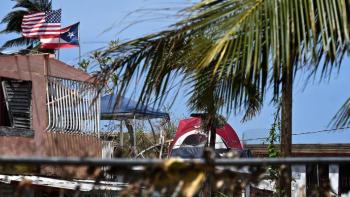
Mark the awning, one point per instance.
(127, 109)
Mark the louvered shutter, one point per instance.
(18, 97)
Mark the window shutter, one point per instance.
(18, 97)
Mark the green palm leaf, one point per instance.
(20, 41)
(244, 45)
(13, 21)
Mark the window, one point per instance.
(15, 107)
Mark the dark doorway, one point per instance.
(317, 178)
(344, 178)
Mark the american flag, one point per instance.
(47, 24)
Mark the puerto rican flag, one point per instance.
(69, 38)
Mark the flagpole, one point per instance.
(79, 42)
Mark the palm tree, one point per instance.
(13, 21)
(250, 43)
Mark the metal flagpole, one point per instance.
(79, 42)
(58, 51)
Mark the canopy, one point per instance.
(190, 139)
(127, 109)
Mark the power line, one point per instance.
(301, 133)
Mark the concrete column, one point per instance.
(334, 177)
(299, 181)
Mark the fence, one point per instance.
(312, 176)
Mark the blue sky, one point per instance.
(313, 106)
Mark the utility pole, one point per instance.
(286, 128)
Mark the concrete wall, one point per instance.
(36, 68)
(60, 144)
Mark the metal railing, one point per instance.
(151, 162)
(73, 106)
(182, 177)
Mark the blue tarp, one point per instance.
(127, 109)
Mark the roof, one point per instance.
(26, 67)
(127, 108)
(304, 150)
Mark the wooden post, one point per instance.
(132, 139)
(121, 134)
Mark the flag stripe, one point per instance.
(42, 21)
(40, 25)
(33, 35)
(33, 18)
(49, 40)
(57, 45)
(43, 33)
(42, 29)
(34, 15)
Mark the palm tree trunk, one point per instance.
(212, 130)
(211, 115)
(211, 121)
(286, 129)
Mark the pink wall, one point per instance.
(35, 68)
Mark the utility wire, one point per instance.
(302, 133)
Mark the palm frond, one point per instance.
(20, 41)
(246, 44)
(35, 5)
(342, 117)
(13, 21)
